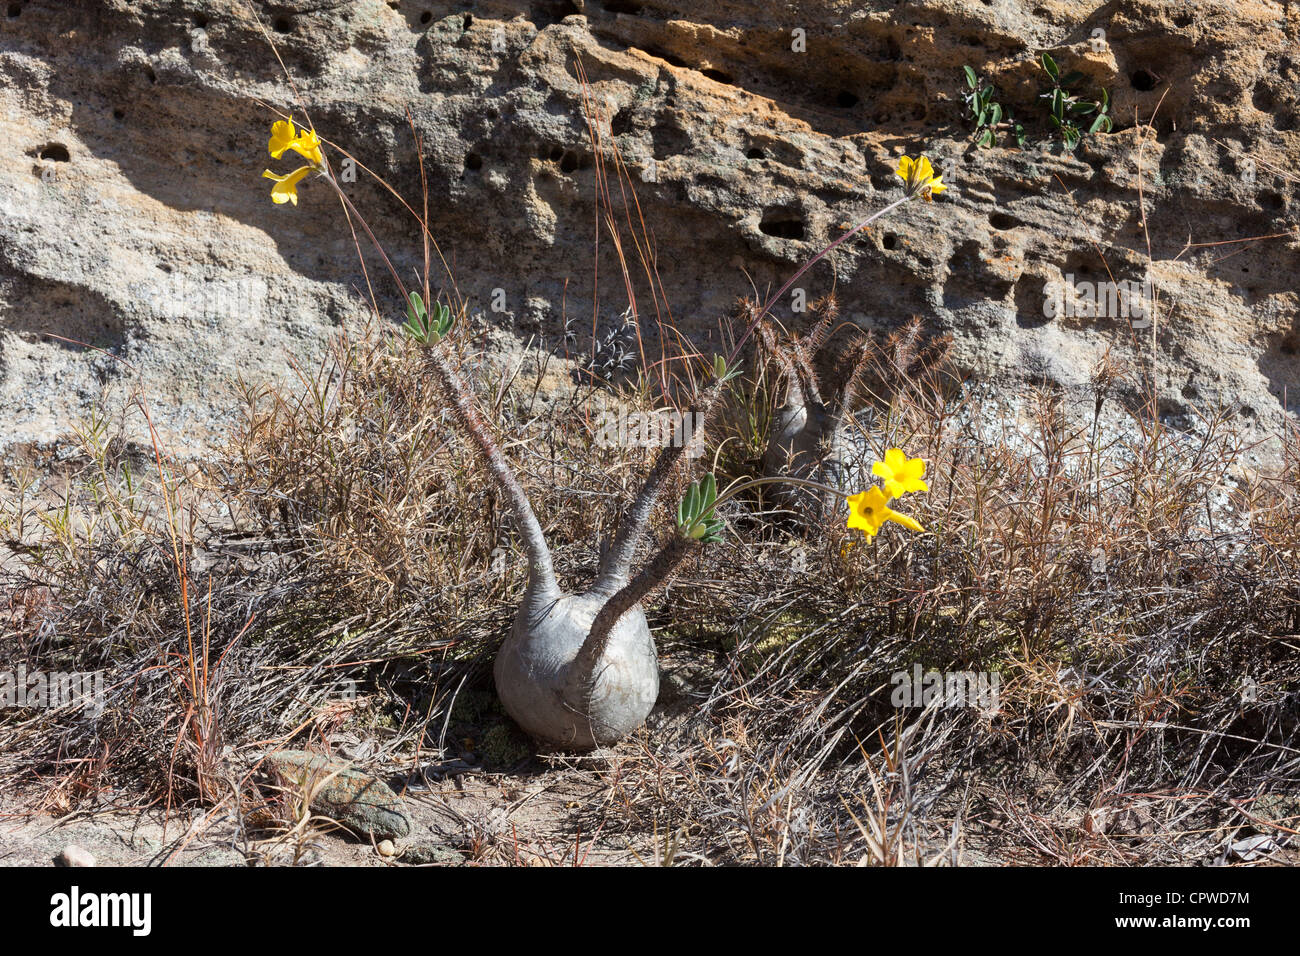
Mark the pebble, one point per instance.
(72, 855)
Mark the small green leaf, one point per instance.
(997, 115)
(445, 320)
(1101, 123)
(971, 80)
(723, 373)
(417, 305)
(709, 490)
(1050, 66)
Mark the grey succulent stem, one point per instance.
(541, 570)
(659, 567)
(794, 388)
(616, 566)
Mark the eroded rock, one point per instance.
(132, 142)
(366, 806)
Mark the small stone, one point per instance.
(386, 848)
(366, 806)
(431, 853)
(73, 855)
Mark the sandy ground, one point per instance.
(545, 818)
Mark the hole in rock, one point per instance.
(1143, 80)
(782, 225)
(622, 121)
(846, 100)
(55, 152)
(473, 161)
(282, 24)
(553, 11)
(1271, 200)
(668, 58)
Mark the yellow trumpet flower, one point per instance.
(919, 177)
(869, 510)
(304, 142)
(901, 474)
(286, 187)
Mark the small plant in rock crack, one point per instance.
(1069, 110)
(613, 354)
(988, 115)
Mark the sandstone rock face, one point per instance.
(133, 136)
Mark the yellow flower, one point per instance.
(919, 177)
(304, 142)
(869, 510)
(901, 474)
(286, 187)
